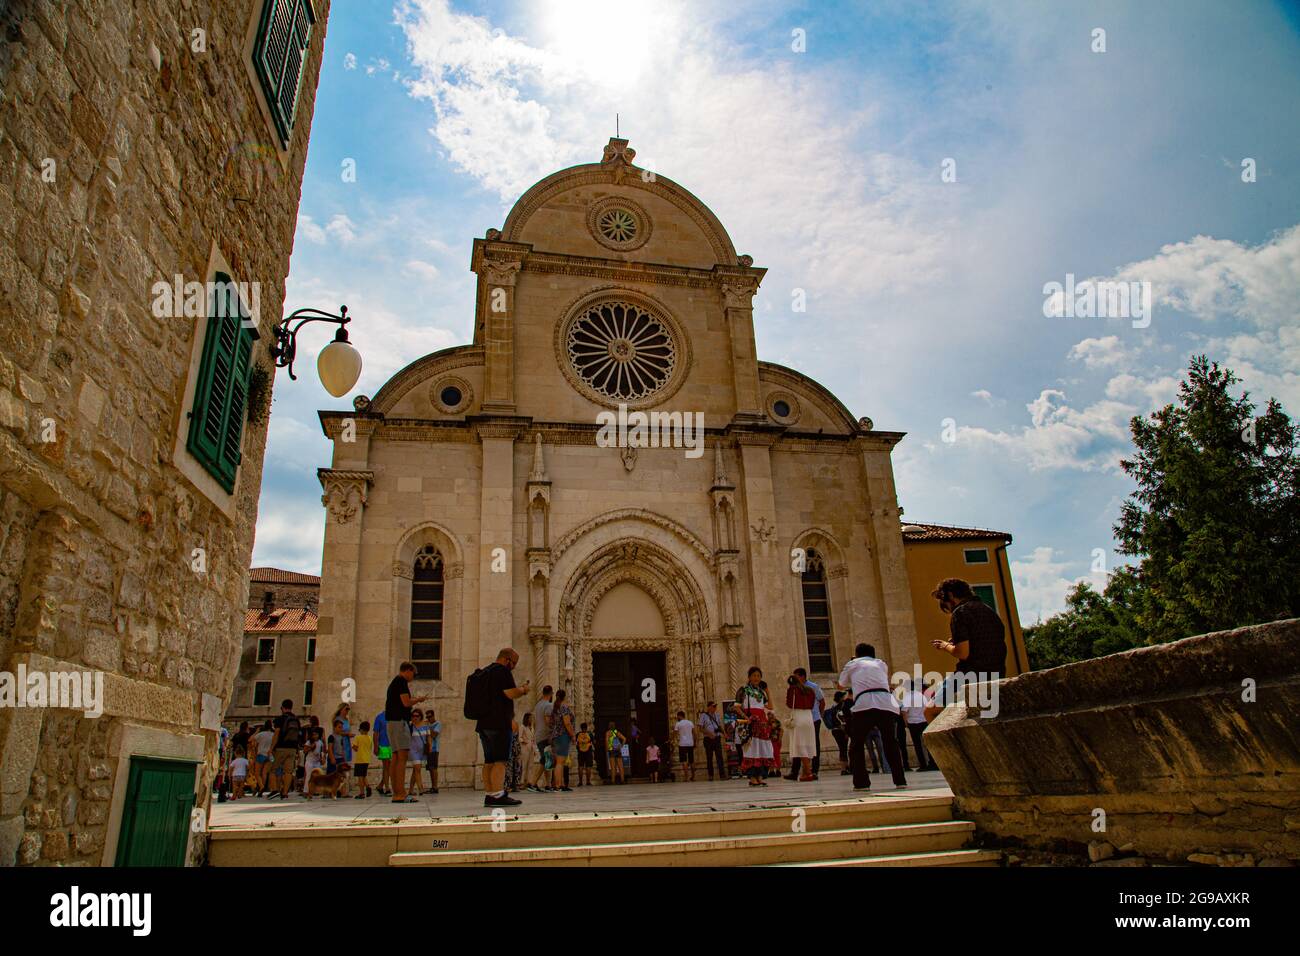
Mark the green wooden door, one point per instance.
(156, 819)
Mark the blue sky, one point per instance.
(925, 297)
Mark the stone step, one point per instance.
(371, 844)
(983, 858)
(755, 849)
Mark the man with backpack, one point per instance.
(490, 695)
(284, 746)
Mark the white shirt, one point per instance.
(685, 733)
(913, 704)
(868, 679)
(239, 767)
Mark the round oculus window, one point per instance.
(621, 351)
(450, 396)
(617, 224)
(781, 408)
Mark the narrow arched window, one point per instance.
(426, 614)
(817, 614)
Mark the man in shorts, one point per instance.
(494, 727)
(284, 747)
(685, 731)
(397, 709)
(586, 755)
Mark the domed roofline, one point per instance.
(616, 168)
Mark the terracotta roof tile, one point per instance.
(916, 531)
(279, 576)
(281, 620)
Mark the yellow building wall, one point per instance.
(928, 563)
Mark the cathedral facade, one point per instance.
(478, 501)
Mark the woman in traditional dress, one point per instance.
(801, 699)
(755, 707)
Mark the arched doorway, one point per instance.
(634, 623)
(629, 688)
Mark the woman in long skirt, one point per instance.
(755, 707)
(801, 699)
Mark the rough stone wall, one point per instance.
(1189, 750)
(283, 595)
(125, 154)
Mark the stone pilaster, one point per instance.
(496, 531)
(885, 534)
(344, 498)
(498, 277)
(737, 291)
(770, 630)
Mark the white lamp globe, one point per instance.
(339, 367)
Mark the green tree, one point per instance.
(1093, 624)
(1215, 518)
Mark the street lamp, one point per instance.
(338, 365)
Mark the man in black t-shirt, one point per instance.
(978, 636)
(494, 728)
(397, 712)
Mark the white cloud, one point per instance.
(341, 228)
(983, 395)
(425, 270)
(1147, 393)
(1099, 353)
(1059, 436)
(509, 111)
(349, 61)
(290, 532)
(1042, 583)
(1212, 278)
(310, 230)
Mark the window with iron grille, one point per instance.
(426, 614)
(817, 614)
(221, 392)
(280, 55)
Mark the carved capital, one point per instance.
(503, 272)
(345, 492)
(738, 292)
(453, 571)
(402, 570)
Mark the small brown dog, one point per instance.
(327, 784)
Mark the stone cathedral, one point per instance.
(471, 505)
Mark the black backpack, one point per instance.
(289, 731)
(478, 701)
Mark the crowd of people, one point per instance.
(548, 749)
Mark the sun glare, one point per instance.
(611, 42)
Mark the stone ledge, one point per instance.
(1158, 738)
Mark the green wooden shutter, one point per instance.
(279, 55)
(156, 815)
(217, 418)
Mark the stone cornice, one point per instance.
(497, 426)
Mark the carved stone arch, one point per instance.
(427, 534)
(824, 542)
(836, 569)
(637, 514)
(677, 590)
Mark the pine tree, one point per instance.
(1215, 519)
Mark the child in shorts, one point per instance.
(652, 760)
(362, 752)
(614, 751)
(586, 755)
(239, 772)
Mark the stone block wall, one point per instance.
(132, 149)
(1186, 751)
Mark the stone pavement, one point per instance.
(701, 796)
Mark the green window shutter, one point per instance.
(279, 55)
(217, 418)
